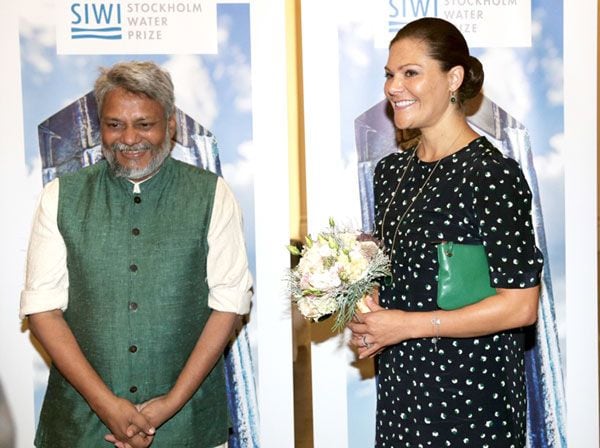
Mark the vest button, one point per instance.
(135, 231)
(133, 348)
(133, 268)
(133, 389)
(133, 306)
(137, 199)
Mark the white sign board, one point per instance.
(484, 23)
(136, 27)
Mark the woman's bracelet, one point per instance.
(436, 322)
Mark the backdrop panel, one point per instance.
(522, 114)
(230, 93)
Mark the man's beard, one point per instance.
(159, 154)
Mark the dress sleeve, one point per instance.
(502, 208)
(46, 277)
(229, 279)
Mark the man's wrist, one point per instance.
(101, 401)
(174, 401)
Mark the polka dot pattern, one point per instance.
(470, 392)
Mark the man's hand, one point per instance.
(157, 410)
(129, 428)
(140, 440)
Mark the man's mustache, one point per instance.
(122, 147)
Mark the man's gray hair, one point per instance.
(140, 77)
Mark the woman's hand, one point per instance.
(377, 329)
(362, 306)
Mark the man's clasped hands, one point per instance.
(134, 426)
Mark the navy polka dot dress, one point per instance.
(468, 392)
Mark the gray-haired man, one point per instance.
(136, 276)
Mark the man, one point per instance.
(136, 277)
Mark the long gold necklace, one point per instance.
(415, 197)
(387, 209)
(410, 203)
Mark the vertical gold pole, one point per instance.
(295, 122)
(303, 428)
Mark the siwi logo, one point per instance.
(400, 12)
(96, 21)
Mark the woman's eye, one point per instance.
(410, 73)
(388, 75)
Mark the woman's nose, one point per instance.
(394, 86)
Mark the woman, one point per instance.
(447, 378)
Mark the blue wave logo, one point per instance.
(401, 12)
(96, 21)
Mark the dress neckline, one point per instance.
(456, 153)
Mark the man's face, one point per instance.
(136, 137)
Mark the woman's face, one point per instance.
(416, 86)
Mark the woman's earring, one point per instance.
(453, 97)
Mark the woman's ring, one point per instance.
(364, 341)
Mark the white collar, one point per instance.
(136, 184)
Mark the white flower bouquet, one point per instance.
(336, 270)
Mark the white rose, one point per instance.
(315, 307)
(325, 305)
(323, 280)
(307, 264)
(357, 269)
(305, 307)
(325, 251)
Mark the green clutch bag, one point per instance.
(463, 275)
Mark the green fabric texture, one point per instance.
(137, 300)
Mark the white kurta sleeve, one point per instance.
(229, 279)
(46, 277)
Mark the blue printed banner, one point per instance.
(482, 22)
(136, 27)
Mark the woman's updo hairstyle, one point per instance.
(447, 46)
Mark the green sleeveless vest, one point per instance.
(137, 300)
